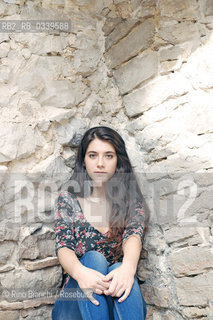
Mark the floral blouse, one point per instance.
(73, 231)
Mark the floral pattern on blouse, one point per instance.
(73, 231)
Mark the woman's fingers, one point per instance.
(98, 291)
(119, 292)
(99, 287)
(111, 290)
(109, 276)
(105, 285)
(89, 294)
(125, 295)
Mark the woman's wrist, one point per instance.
(129, 266)
(77, 271)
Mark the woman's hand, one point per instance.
(122, 281)
(90, 281)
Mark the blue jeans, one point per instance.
(134, 307)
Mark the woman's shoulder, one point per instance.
(66, 205)
(66, 197)
(67, 194)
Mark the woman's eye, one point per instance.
(109, 156)
(92, 155)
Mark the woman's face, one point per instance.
(100, 161)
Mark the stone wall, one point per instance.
(144, 68)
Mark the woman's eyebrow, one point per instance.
(104, 152)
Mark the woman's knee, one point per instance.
(92, 254)
(95, 260)
(114, 266)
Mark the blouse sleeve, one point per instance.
(64, 227)
(136, 222)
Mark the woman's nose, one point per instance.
(100, 162)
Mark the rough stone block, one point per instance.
(179, 32)
(3, 173)
(123, 9)
(6, 268)
(191, 261)
(6, 93)
(158, 296)
(154, 241)
(183, 236)
(86, 61)
(18, 140)
(26, 304)
(51, 114)
(168, 66)
(154, 94)
(148, 9)
(137, 40)
(46, 79)
(29, 304)
(71, 133)
(48, 44)
(155, 114)
(110, 25)
(193, 312)
(9, 231)
(29, 249)
(6, 249)
(171, 53)
(205, 178)
(52, 168)
(178, 10)
(195, 291)
(119, 32)
(41, 313)
(9, 315)
(5, 73)
(201, 204)
(19, 2)
(208, 8)
(69, 157)
(40, 264)
(39, 245)
(8, 9)
(136, 71)
(4, 305)
(30, 285)
(157, 135)
(3, 36)
(63, 93)
(4, 49)
(199, 70)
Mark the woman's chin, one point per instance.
(99, 182)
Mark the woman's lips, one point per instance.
(99, 172)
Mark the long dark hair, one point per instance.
(122, 189)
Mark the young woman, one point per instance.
(100, 224)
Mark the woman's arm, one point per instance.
(70, 262)
(122, 278)
(88, 279)
(132, 248)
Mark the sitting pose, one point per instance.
(100, 224)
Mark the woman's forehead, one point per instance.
(99, 145)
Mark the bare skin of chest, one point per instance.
(96, 213)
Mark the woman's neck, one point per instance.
(98, 193)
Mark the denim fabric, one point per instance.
(134, 307)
